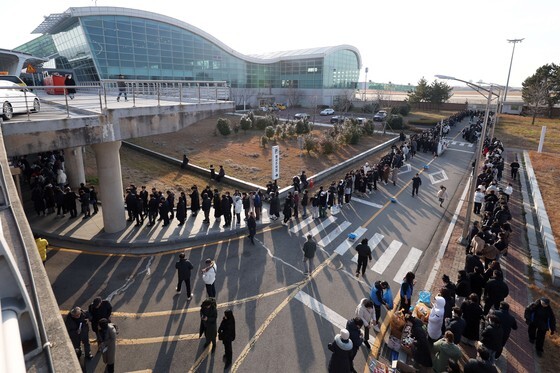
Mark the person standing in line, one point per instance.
(70, 83)
(108, 336)
(309, 249)
(287, 210)
(195, 200)
(209, 277)
(93, 199)
(366, 312)
(445, 349)
(364, 253)
(181, 208)
(478, 200)
(208, 322)
(184, 268)
(354, 327)
(78, 330)
(99, 309)
(442, 195)
(407, 288)
(540, 318)
(296, 204)
(226, 334)
(121, 84)
(341, 348)
(221, 174)
(394, 175)
(416, 182)
(171, 204)
(304, 203)
(252, 226)
(508, 323)
(237, 207)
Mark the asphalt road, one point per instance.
(284, 320)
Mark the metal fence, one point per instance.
(47, 102)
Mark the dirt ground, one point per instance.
(241, 155)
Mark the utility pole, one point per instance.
(514, 41)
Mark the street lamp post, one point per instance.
(478, 150)
(514, 41)
(365, 86)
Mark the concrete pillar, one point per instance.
(74, 166)
(110, 185)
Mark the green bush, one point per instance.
(395, 122)
(404, 110)
(245, 123)
(350, 132)
(291, 130)
(369, 127)
(224, 126)
(269, 132)
(310, 143)
(302, 127)
(262, 123)
(264, 141)
(327, 145)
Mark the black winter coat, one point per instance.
(226, 331)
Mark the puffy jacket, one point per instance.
(367, 315)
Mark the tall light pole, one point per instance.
(365, 86)
(514, 41)
(487, 93)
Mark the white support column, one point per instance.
(110, 185)
(74, 166)
(11, 354)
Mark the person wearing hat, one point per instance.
(78, 330)
(97, 310)
(341, 358)
(540, 318)
(121, 84)
(209, 277)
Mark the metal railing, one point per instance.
(40, 102)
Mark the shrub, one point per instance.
(264, 141)
(369, 127)
(291, 130)
(224, 126)
(310, 143)
(269, 132)
(278, 130)
(327, 145)
(245, 123)
(350, 132)
(262, 123)
(404, 110)
(236, 128)
(251, 116)
(395, 122)
(302, 127)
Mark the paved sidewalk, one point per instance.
(78, 232)
(519, 354)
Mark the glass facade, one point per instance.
(102, 46)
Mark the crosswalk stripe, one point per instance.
(325, 312)
(366, 202)
(386, 258)
(407, 168)
(344, 246)
(470, 145)
(453, 142)
(334, 234)
(325, 223)
(408, 264)
(300, 225)
(373, 242)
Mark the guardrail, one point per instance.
(35, 102)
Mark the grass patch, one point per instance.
(517, 132)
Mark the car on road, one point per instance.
(338, 119)
(327, 111)
(13, 79)
(380, 116)
(281, 106)
(16, 100)
(302, 116)
(361, 120)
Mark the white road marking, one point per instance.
(334, 234)
(300, 225)
(407, 167)
(325, 312)
(461, 151)
(366, 202)
(386, 258)
(325, 223)
(131, 279)
(344, 246)
(408, 264)
(442, 177)
(276, 258)
(373, 242)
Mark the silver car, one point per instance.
(17, 100)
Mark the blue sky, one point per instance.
(400, 41)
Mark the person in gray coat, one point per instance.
(108, 334)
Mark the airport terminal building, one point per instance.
(100, 43)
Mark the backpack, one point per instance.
(528, 312)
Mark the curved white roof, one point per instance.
(56, 22)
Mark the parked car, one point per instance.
(380, 116)
(361, 120)
(16, 100)
(281, 106)
(338, 119)
(302, 116)
(328, 111)
(13, 79)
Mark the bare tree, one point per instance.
(536, 96)
(294, 96)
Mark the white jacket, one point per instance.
(478, 197)
(435, 321)
(365, 314)
(210, 276)
(238, 205)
